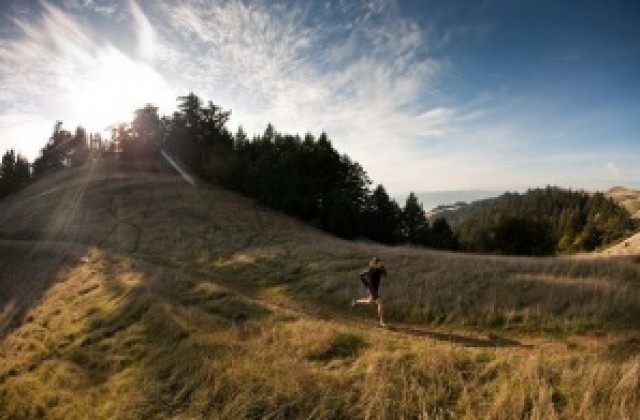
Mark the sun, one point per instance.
(111, 87)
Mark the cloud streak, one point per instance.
(355, 70)
(360, 70)
(360, 79)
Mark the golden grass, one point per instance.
(628, 198)
(138, 297)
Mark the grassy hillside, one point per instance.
(630, 199)
(126, 293)
(627, 197)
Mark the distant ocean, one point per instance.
(433, 199)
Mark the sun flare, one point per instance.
(112, 87)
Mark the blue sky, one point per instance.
(426, 95)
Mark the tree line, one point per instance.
(63, 149)
(543, 221)
(307, 178)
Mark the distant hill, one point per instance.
(556, 219)
(461, 211)
(628, 198)
(433, 199)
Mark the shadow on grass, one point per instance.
(27, 271)
(491, 341)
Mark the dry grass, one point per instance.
(628, 198)
(126, 294)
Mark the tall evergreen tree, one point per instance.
(22, 174)
(145, 126)
(185, 131)
(415, 226)
(382, 218)
(145, 135)
(78, 150)
(54, 155)
(345, 202)
(441, 235)
(14, 173)
(7, 173)
(123, 140)
(216, 147)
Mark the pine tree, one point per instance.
(7, 173)
(382, 218)
(78, 150)
(14, 173)
(441, 236)
(54, 156)
(22, 172)
(415, 226)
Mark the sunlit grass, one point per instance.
(182, 303)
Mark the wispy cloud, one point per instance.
(105, 8)
(364, 72)
(357, 70)
(362, 79)
(613, 168)
(146, 35)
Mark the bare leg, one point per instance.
(380, 312)
(364, 301)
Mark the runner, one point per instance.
(371, 280)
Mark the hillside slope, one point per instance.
(627, 197)
(627, 247)
(630, 199)
(126, 293)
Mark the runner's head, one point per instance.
(375, 262)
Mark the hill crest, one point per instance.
(627, 197)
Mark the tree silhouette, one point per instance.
(78, 150)
(414, 223)
(124, 141)
(22, 174)
(143, 137)
(54, 155)
(198, 137)
(7, 173)
(441, 235)
(382, 218)
(14, 173)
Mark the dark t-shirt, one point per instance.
(371, 279)
(375, 273)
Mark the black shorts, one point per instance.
(373, 289)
